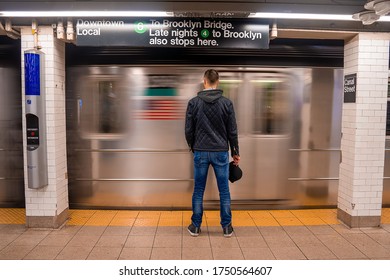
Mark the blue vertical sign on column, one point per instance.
(35, 119)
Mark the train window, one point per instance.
(231, 86)
(160, 100)
(109, 107)
(270, 107)
(230, 90)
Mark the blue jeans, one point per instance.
(220, 163)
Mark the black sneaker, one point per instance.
(228, 231)
(193, 230)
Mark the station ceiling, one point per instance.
(214, 9)
(295, 31)
(302, 6)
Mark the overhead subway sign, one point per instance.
(213, 33)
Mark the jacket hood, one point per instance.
(210, 95)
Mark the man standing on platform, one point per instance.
(210, 128)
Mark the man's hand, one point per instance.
(236, 159)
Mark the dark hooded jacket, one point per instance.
(211, 123)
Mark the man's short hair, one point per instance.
(211, 75)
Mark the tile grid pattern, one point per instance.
(53, 199)
(364, 126)
(153, 235)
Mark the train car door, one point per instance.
(268, 117)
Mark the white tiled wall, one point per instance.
(364, 126)
(53, 199)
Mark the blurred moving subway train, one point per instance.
(126, 144)
(126, 135)
(125, 113)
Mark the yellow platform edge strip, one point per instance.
(242, 218)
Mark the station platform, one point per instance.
(313, 234)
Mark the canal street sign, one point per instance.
(350, 88)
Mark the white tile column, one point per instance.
(48, 207)
(363, 131)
